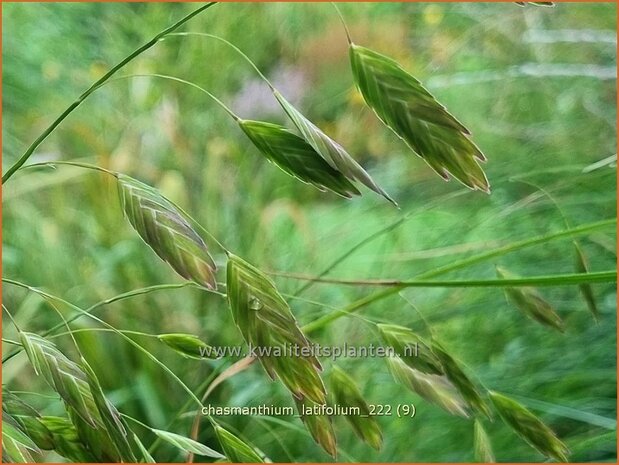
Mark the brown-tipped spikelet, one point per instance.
(531, 303)
(332, 152)
(405, 106)
(319, 426)
(296, 157)
(483, 448)
(461, 381)
(529, 427)
(268, 326)
(235, 449)
(347, 394)
(433, 388)
(411, 348)
(166, 230)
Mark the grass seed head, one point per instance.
(235, 449)
(346, 393)
(187, 345)
(67, 442)
(529, 427)
(469, 392)
(332, 152)
(296, 157)
(582, 266)
(319, 426)
(433, 388)
(266, 323)
(483, 447)
(406, 107)
(530, 302)
(411, 348)
(166, 230)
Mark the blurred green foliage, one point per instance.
(541, 108)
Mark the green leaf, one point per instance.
(186, 444)
(236, 450)
(483, 448)
(460, 380)
(582, 266)
(405, 106)
(411, 348)
(529, 427)
(346, 393)
(296, 157)
(188, 345)
(267, 324)
(167, 231)
(433, 388)
(63, 375)
(319, 426)
(332, 152)
(531, 303)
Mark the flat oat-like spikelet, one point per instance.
(405, 106)
(347, 394)
(267, 324)
(332, 152)
(433, 388)
(166, 230)
(529, 427)
(296, 157)
(235, 449)
(319, 426)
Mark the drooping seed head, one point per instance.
(411, 348)
(409, 110)
(167, 231)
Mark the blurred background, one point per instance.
(536, 87)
